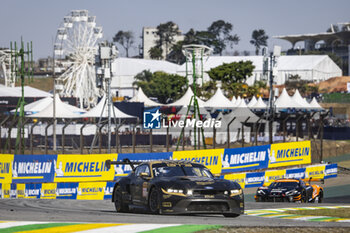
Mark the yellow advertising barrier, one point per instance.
(291, 153)
(316, 172)
(6, 168)
(237, 177)
(48, 191)
(6, 190)
(79, 168)
(21, 190)
(271, 176)
(210, 158)
(91, 190)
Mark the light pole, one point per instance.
(272, 72)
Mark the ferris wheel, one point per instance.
(5, 68)
(74, 53)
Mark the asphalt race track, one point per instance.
(103, 212)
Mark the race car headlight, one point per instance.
(170, 191)
(189, 192)
(292, 192)
(235, 192)
(261, 192)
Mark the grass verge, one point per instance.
(340, 213)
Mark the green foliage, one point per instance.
(294, 82)
(166, 32)
(161, 85)
(125, 39)
(207, 90)
(235, 72)
(220, 36)
(156, 53)
(259, 38)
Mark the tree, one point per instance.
(232, 72)
(161, 85)
(166, 32)
(125, 39)
(156, 53)
(233, 76)
(176, 55)
(259, 38)
(220, 32)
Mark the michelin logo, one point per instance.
(256, 179)
(23, 168)
(245, 158)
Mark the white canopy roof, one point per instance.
(185, 100)
(241, 115)
(238, 101)
(141, 97)
(252, 102)
(242, 104)
(299, 100)
(17, 92)
(259, 104)
(36, 106)
(219, 101)
(234, 100)
(314, 104)
(285, 101)
(63, 110)
(97, 110)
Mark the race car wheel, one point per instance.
(118, 201)
(231, 215)
(154, 201)
(320, 197)
(303, 197)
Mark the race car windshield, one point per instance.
(284, 185)
(162, 170)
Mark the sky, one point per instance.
(38, 20)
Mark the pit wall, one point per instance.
(65, 176)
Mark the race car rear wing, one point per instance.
(314, 180)
(125, 161)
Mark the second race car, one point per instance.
(290, 190)
(176, 187)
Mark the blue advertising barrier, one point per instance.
(297, 173)
(246, 158)
(254, 179)
(67, 190)
(331, 171)
(33, 168)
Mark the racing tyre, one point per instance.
(154, 201)
(231, 215)
(303, 197)
(320, 197)
(118, 202)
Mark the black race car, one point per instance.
(290, 190)
(176, 187)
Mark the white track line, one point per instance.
(7, 224)
(132, 228)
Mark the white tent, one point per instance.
(63, 110)
(219, 101)
(238, 101)
(252, 102)
(185, 100)
(17, 92)
(234, 100)
(125, 69)
(299, 100)
(141, 97)
(309, 67)
(242, 104)
(36, 106)
(97, 111)
(314, 104)
(259, 104)
(285, 101)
